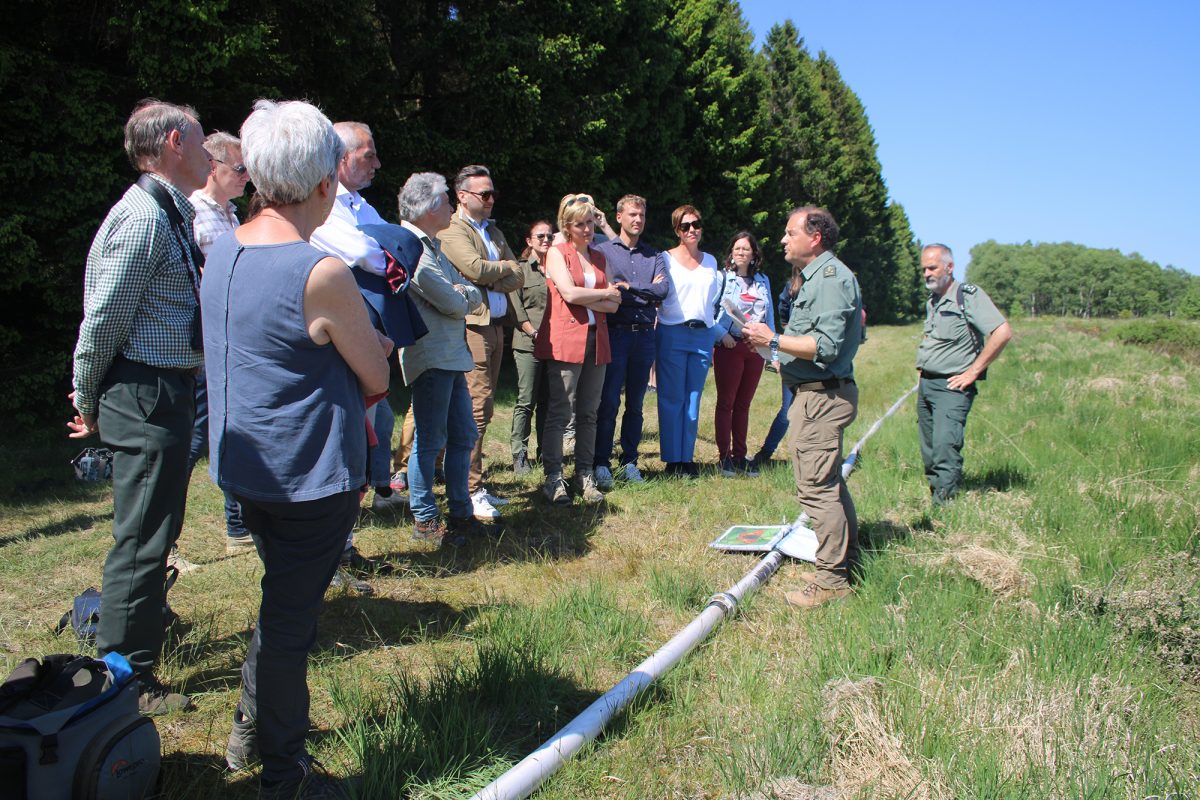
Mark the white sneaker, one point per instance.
(629, 472)
(482, 507)
(494, 499)
(604, 478)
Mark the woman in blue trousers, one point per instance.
(685, 335)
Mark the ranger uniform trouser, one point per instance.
(942, 419)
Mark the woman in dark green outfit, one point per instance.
(529, 304)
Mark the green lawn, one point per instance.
(1038, 638)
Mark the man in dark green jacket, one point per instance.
(952, 356)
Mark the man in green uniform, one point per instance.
(952, 356)
(816, 353)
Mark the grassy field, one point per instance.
(1038, 638)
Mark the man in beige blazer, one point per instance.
(479, 251)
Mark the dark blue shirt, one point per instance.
(638, 267)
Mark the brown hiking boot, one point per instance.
(588, 489)
(808, 577)
(812, 596)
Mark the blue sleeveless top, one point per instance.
(286, 418)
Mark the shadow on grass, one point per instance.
(202, 776)
(461, 727)
(879, 534)
(1000, 479)
(72, 524)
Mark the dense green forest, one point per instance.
(1072, 280)
(665, 98)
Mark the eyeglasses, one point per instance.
(485, 196)
(690, 226)
(579, 198)
(240, 169)
(541, 237)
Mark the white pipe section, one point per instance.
(524, 778)
(848, 464)
(521, 781)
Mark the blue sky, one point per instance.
(1046, 122)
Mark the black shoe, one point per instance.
(356, 562)
(727, 467)
(748, 467)
(314, 783)
(521, 466)
(242, 750)
(691, 469)
(472, 528)
(673, 469)
(154, 699)
(343, 578)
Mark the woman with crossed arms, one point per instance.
(573, 341)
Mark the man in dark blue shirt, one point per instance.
(638, 270)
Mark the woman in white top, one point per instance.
(686, 332)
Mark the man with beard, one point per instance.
(952, 356)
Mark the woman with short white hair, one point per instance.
(290, 356)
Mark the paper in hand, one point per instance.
(739, 322)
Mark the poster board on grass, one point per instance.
(796, 541)
(753, 538)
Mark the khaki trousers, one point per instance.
(816, 423)
(486, 343)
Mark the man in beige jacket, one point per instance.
(478, 250)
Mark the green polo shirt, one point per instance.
(948, 347)
(829, 309)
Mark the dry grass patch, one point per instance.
(999, 573)
(867, 752)
(793, 789)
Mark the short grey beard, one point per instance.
(938, 285)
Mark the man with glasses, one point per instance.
(638, 270)
(216, 215)
(136, 358)
(479, 251)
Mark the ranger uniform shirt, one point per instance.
(829, 309)
(948, 346)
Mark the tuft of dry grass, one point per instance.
(999, 573)
(793, 789)
(866, 750)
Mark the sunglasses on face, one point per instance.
(690, 226)
(240, 169)
(541, 237)
(485, 196)
(579, 198)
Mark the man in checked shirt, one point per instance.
(135, 363)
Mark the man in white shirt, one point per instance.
(340, 237)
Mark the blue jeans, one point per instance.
(379, 459)
(441, 409)
(632, 358)
(779, 426)
(233, 512)
(684, 356)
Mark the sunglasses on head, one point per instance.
(691, 225)
(487, 194)
(240, 169)
(579, 198)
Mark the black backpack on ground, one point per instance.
(70, 728)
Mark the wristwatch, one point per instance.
(775, 347)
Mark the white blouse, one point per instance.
(693, 293)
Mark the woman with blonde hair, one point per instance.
(573, 342)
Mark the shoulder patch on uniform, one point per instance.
(970, 288)
(830, 270)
